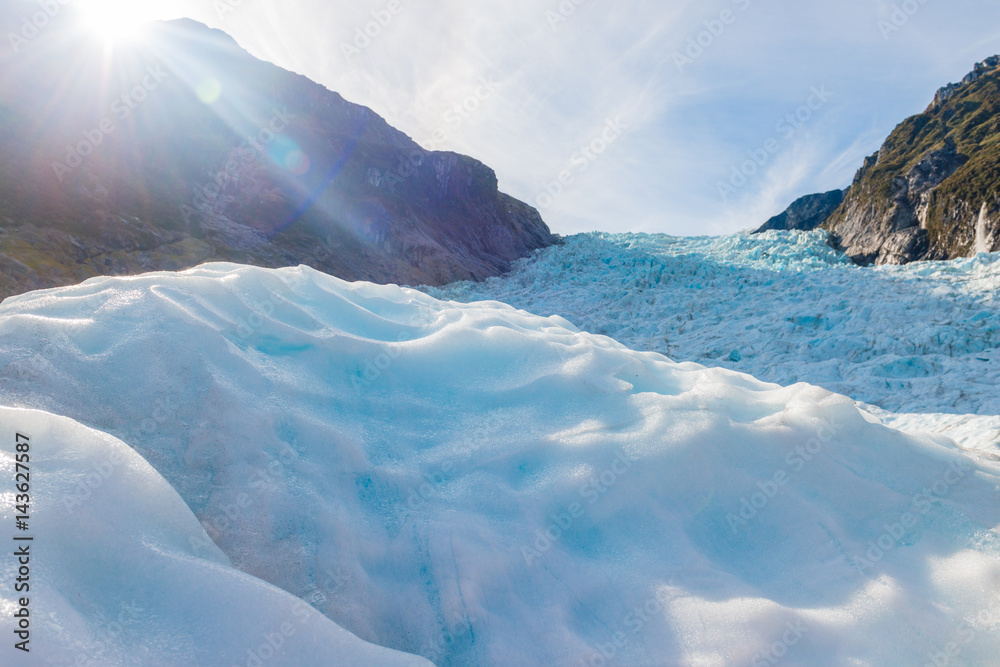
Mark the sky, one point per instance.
(626, 115)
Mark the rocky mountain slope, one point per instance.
(806, 213)
(933, 190)
(183, 149)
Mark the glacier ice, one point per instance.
(784, 307)
(479, 485)
(115, 579)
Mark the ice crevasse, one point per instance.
(477, 485)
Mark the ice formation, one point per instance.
(113, 576)
(785, 307)
(478, 485)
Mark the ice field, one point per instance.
(919, 340)
(478, 485)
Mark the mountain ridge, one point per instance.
(806, 213)
(932, 191)
(187, 149)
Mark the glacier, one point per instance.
(115, 579)
(479, 485)
(917, 345)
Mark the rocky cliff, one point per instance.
(184, 149)
(807, 212)
(933, 190)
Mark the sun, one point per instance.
(114, 20)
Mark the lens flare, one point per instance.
(287, 154)
(114, 20)
(297, 162)
(209, 90)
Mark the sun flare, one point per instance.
(114, 20)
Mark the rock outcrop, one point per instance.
(933, 190)
(807, 212)
(185, 149)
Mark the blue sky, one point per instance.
(611, 96)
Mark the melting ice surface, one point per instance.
(482, 486)
(919, 343)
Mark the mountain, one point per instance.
(185, 149)
(806, 213)
(933, 190)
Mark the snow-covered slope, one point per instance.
(482, 486)
(112, 575)
(785, 307)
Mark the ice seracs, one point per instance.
(783, 306)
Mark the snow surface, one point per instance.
(115, 580)
(784, 307)
(483, 486)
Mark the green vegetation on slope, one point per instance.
(964, 121)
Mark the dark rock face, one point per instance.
(185, 149)
(894, 234)
(933, 189)
(806, 213)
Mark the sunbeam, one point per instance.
(114, 20)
